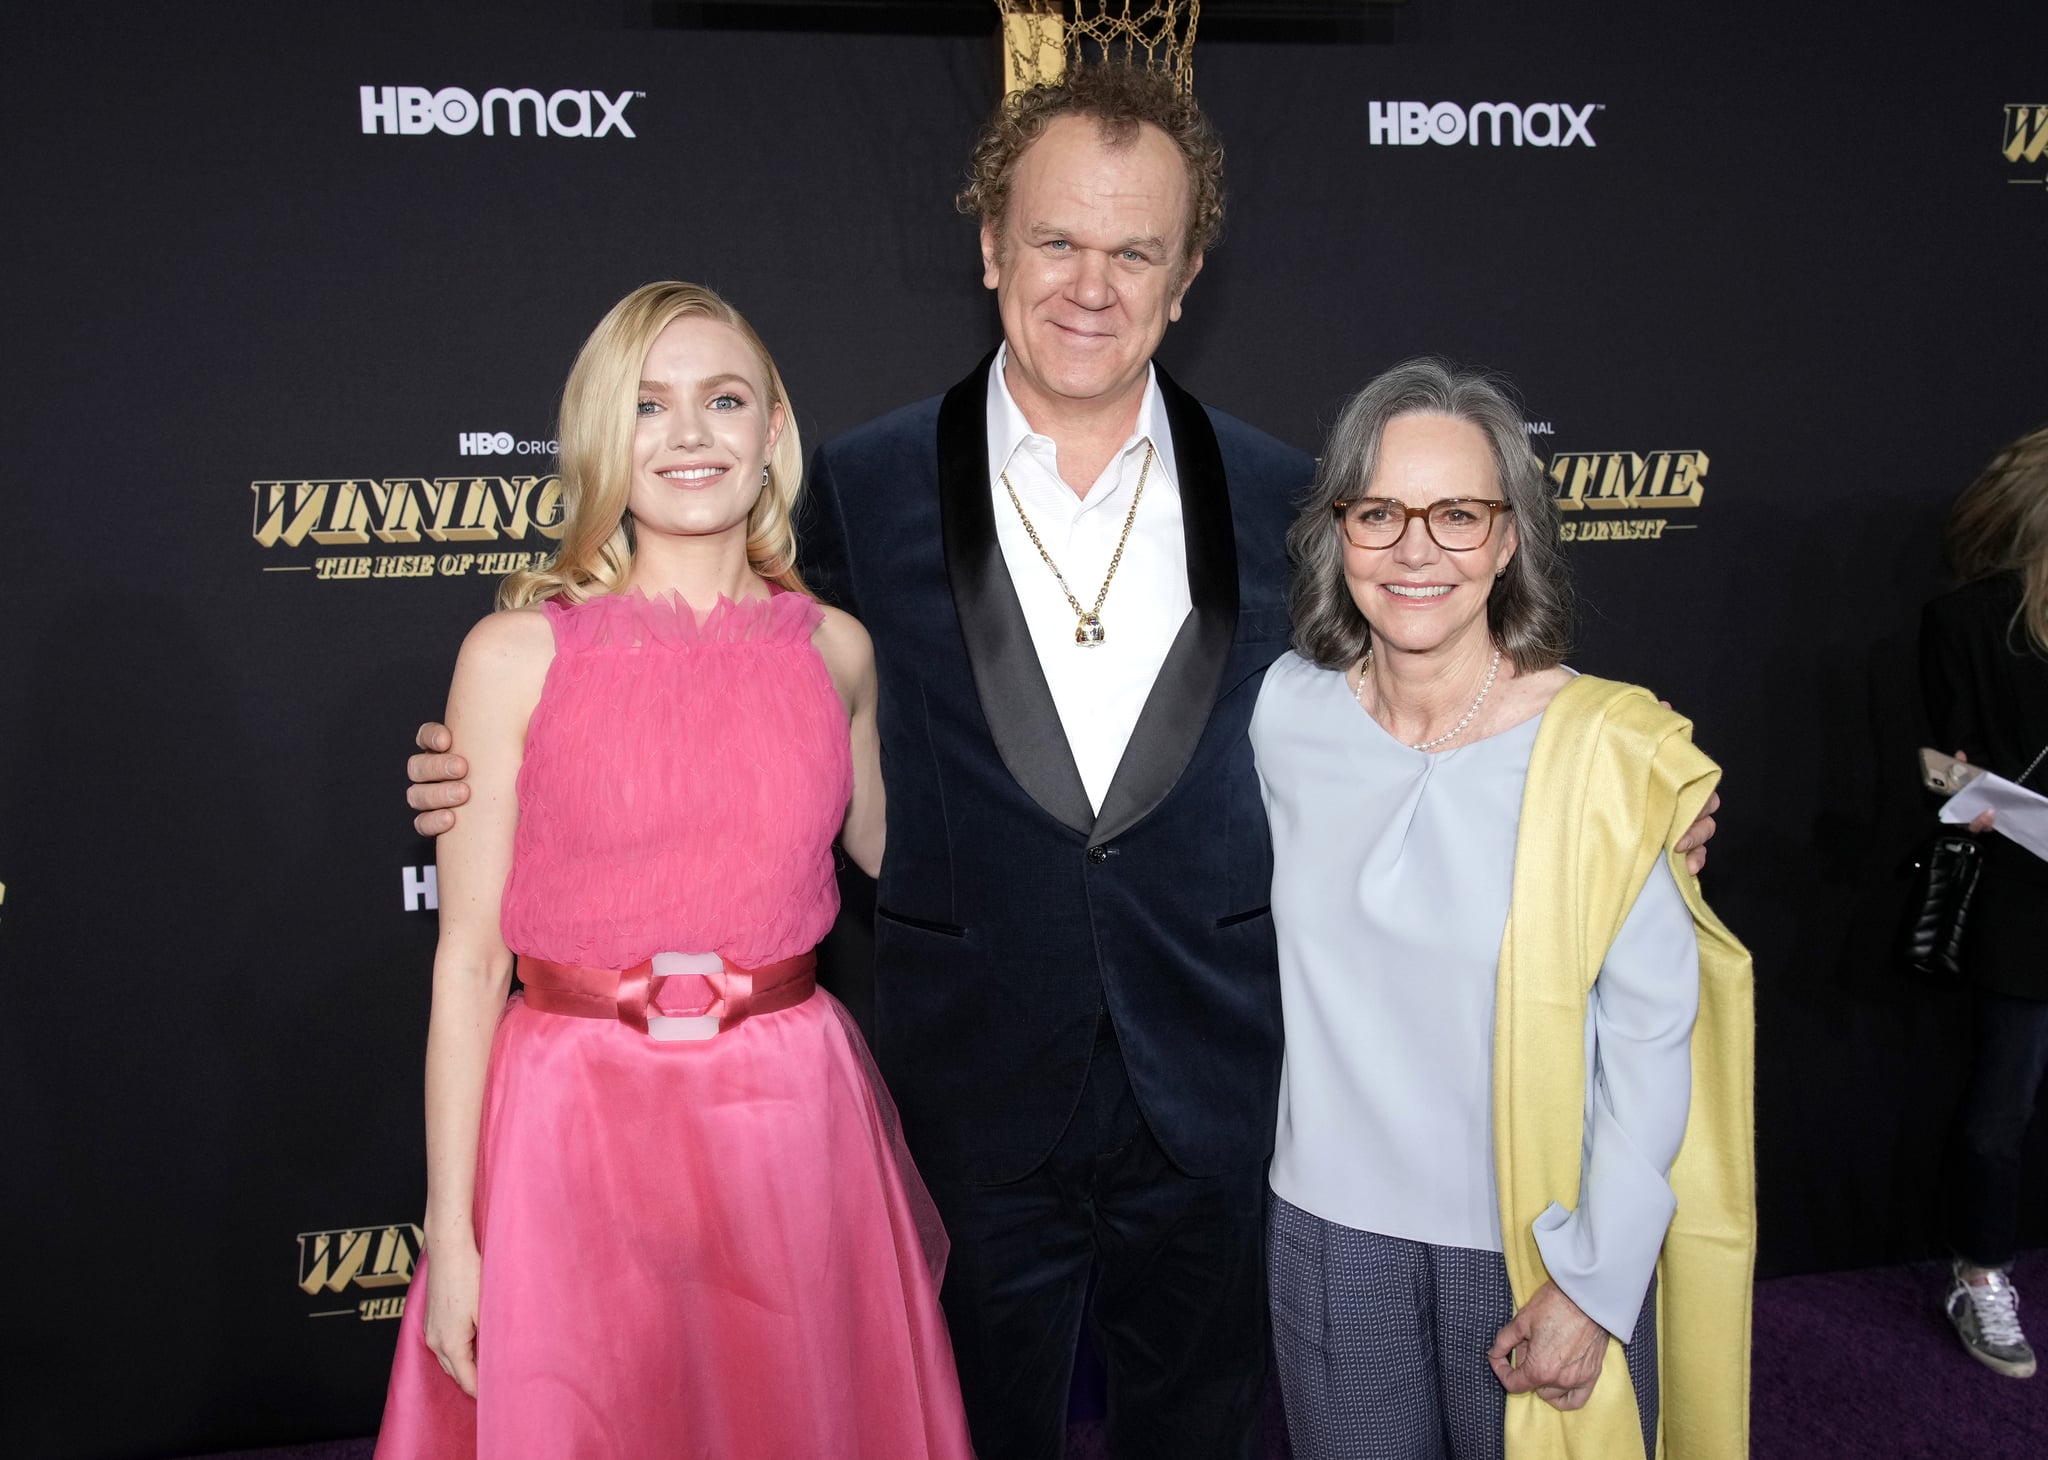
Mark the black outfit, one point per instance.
(1078, 1014)
(1986, 686)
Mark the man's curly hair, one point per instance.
(1120, 98)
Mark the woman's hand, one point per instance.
(454, 1275)
(1984, 820)
(1561, 1350)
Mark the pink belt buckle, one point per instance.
(670, 1028)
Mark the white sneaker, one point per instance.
(1986, 1315)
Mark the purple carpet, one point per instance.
(1864, 1363)
(1846, 1364)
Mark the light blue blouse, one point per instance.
(1392, 874)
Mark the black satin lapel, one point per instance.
(1015, 701)
(1177, 710)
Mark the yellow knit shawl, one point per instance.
(1614, 781)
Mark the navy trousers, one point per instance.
(1179, 1309)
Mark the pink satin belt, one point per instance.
(627, 994)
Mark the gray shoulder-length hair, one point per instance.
(1529, 610)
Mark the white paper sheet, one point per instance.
(2022, 814)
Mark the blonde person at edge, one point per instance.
(668, 1212)
(1984, 675)
(1517, 1042)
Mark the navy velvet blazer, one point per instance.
(1009, 913)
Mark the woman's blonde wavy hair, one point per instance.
(2000, 525)
(596, 435)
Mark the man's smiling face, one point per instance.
(1088, 268)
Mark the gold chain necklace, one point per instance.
(1088, 621)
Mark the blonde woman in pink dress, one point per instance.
(668, 1213)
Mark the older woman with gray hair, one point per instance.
(1518, 1044)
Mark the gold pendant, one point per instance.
(1088, 632)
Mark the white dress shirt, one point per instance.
(1098, 690)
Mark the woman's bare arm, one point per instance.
(850, 656)
(497, 682)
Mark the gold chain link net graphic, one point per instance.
(1041, 38)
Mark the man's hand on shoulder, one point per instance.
(438, 780)
(1694, 842)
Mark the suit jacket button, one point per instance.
(1098, 854)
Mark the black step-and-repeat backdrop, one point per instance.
(291, 291)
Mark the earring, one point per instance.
(764, 475)
(1501, 574)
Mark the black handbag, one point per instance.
(1945, 873)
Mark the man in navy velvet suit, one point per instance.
(1074, 576)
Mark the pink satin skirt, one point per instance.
(714, 1248)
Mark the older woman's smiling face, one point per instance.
(1418, 597)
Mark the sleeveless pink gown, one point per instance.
(714, 1248)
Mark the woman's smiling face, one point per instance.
(1417, 596)
(704, 428)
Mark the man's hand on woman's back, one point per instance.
(438, 784)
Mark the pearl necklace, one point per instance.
(1365, 668)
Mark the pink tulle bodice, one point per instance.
(682, 785)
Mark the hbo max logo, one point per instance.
(414, 111)
(1540, 124)
(502, 443)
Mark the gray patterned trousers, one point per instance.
(1382, 1343)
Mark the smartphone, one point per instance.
(1943, 774)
